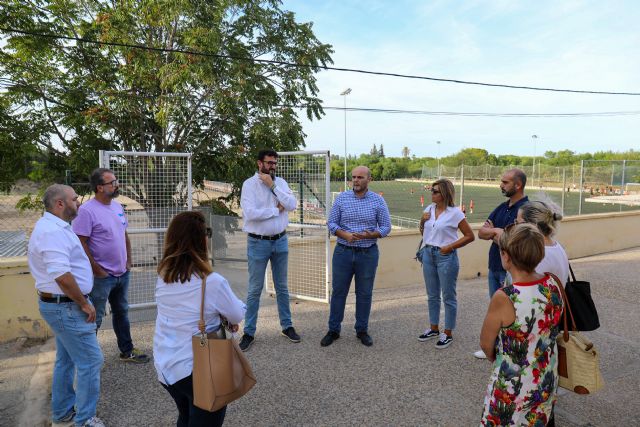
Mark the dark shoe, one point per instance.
(329, 338)
(246, 342)
(134, 356)
(444, 341)
(428, 334)
(66, 421)
(291, 334)
(365, 338)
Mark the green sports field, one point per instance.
(402, 202)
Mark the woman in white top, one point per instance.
(178, 294)
(439, 226)
(545, 216)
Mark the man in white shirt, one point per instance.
(265, 201)
(63, 277)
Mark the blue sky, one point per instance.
(589, 45)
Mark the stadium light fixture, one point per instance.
(535, 154)
(345, 93)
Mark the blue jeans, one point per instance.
(440, 276)
(116, 291)
(77, 353)
(347, 262)
(259, 252)
(496, 281)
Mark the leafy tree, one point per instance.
(16, 150)
(82, 97)
(405, 152)
(381, 151)
(374, 151)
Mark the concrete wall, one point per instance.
(19, 314)
(581, 236)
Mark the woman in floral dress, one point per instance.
(519, 336)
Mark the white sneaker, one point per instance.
(93, 422)
(479, 354)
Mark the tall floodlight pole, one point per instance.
(535, 153)
(345, 93)
(438, 142)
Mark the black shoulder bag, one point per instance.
(582, 306)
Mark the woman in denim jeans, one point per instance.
(439, 226)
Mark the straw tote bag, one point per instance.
(221, 372)
(578, 359)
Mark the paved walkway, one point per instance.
(398, 381)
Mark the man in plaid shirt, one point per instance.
(358, 218)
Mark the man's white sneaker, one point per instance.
(93, 422)
(479, 354)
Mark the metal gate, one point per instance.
(307, 173)
(153, 188)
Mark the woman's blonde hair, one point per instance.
(447, 191)
(544, 215)
(524, 244)
(185, 249)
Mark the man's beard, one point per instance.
(508, 193)
(115, 193)
(271, 172)
(70, 213)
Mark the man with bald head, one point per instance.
(358, 218)
(64, 279)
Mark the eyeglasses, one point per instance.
(270, 162)
(209, 232)
(114, 183)
(435, 191)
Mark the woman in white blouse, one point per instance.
(545, 216)
(183, 266)
(440, 223)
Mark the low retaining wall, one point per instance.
(19, 314)
(581, 236)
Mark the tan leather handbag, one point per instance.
(221, 372)
(578, 360)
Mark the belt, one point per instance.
(47, 297)
(357, 248)
(274, 237)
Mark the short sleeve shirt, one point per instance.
(502, 216)
(444, 230)
(105, 226)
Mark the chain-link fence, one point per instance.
(593, 187)
(605, 183)
(538, 175)
(20, 208)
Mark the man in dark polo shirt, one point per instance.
(512, 186)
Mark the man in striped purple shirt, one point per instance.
(358, 218)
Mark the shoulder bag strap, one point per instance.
(573, 276)
(567, 308)
(201, 324)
